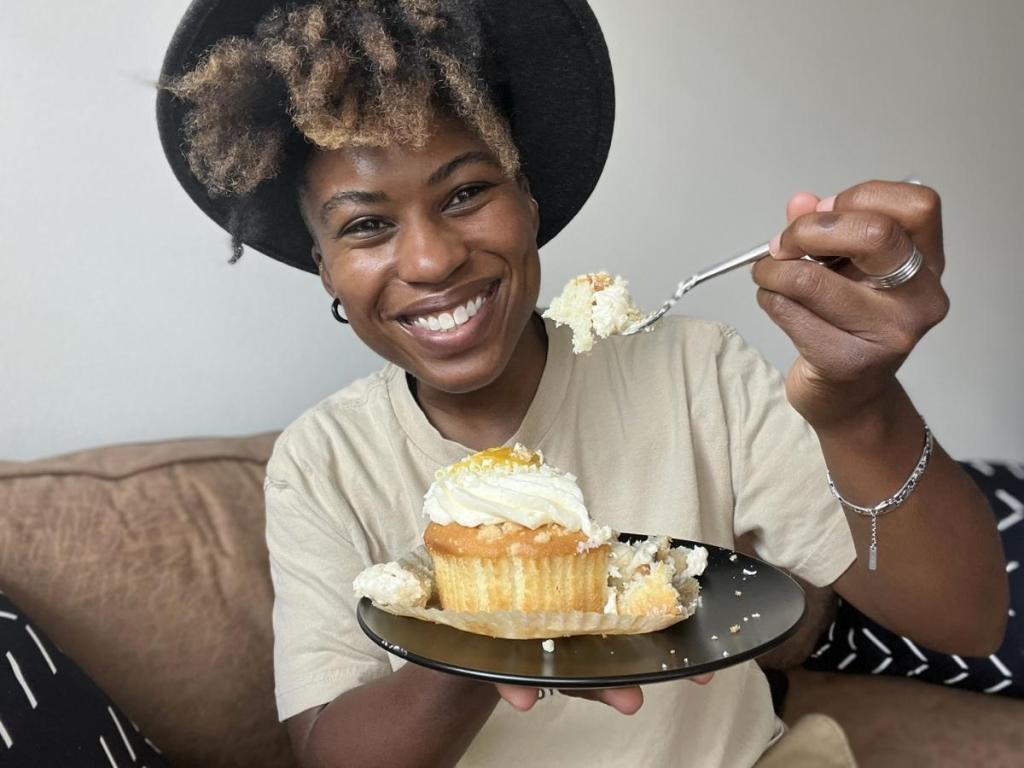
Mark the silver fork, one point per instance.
(747, 257)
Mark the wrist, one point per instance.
(874, 424)
(871, 453)
(889, 503)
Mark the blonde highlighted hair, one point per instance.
(337, 73)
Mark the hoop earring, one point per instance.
(337, 313)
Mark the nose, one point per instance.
(429, 251)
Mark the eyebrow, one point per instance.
(362, 197)
(466, 158)
(356, 196)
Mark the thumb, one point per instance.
(799, 204)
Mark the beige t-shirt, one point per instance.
(683, 431)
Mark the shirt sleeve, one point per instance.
(319, 650)
(781, 492)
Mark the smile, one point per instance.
(453, 317)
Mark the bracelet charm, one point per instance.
(891, 503)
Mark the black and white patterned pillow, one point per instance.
(52, 713)
(854, 643)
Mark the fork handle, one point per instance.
(747, 257)
(758, 253)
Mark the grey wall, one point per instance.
(120, 319)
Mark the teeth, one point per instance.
(445, 321)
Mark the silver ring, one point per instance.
(898, 276)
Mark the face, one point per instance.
(432, 252)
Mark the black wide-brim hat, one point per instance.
(556, 91)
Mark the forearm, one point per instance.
(941, 576)
(413, 717)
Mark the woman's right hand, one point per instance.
(625, 700)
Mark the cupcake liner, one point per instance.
(519, 625)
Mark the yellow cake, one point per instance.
(594, 306)
(653, 578)
(509, 532)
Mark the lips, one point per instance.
(446, 315)
(451, 329)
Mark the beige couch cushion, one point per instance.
(895, 722)
(147, 565)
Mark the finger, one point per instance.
(844, 303)
(702, 679)
(519, 696)
(840, 354)
(625, 700)
(894, 320)
(876, 243)
(800, 204)
(917, 209)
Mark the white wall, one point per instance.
(120, 319)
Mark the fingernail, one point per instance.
(774, 244)
(826, 204)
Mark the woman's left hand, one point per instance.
(852, 338)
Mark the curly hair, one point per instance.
(328, 75)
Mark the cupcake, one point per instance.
(510, 551)
(508, 532)
(594, 306)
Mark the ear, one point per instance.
(325, 274)
(524, 185)
(314, 250)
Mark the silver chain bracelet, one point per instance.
(889, 504)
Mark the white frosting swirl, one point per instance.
(526, 494)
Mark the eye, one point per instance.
(367, 227)
(465, 194)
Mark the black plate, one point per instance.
(768, 610)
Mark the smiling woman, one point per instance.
(432, 252)
(417, 153)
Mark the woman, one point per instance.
(415, 154)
